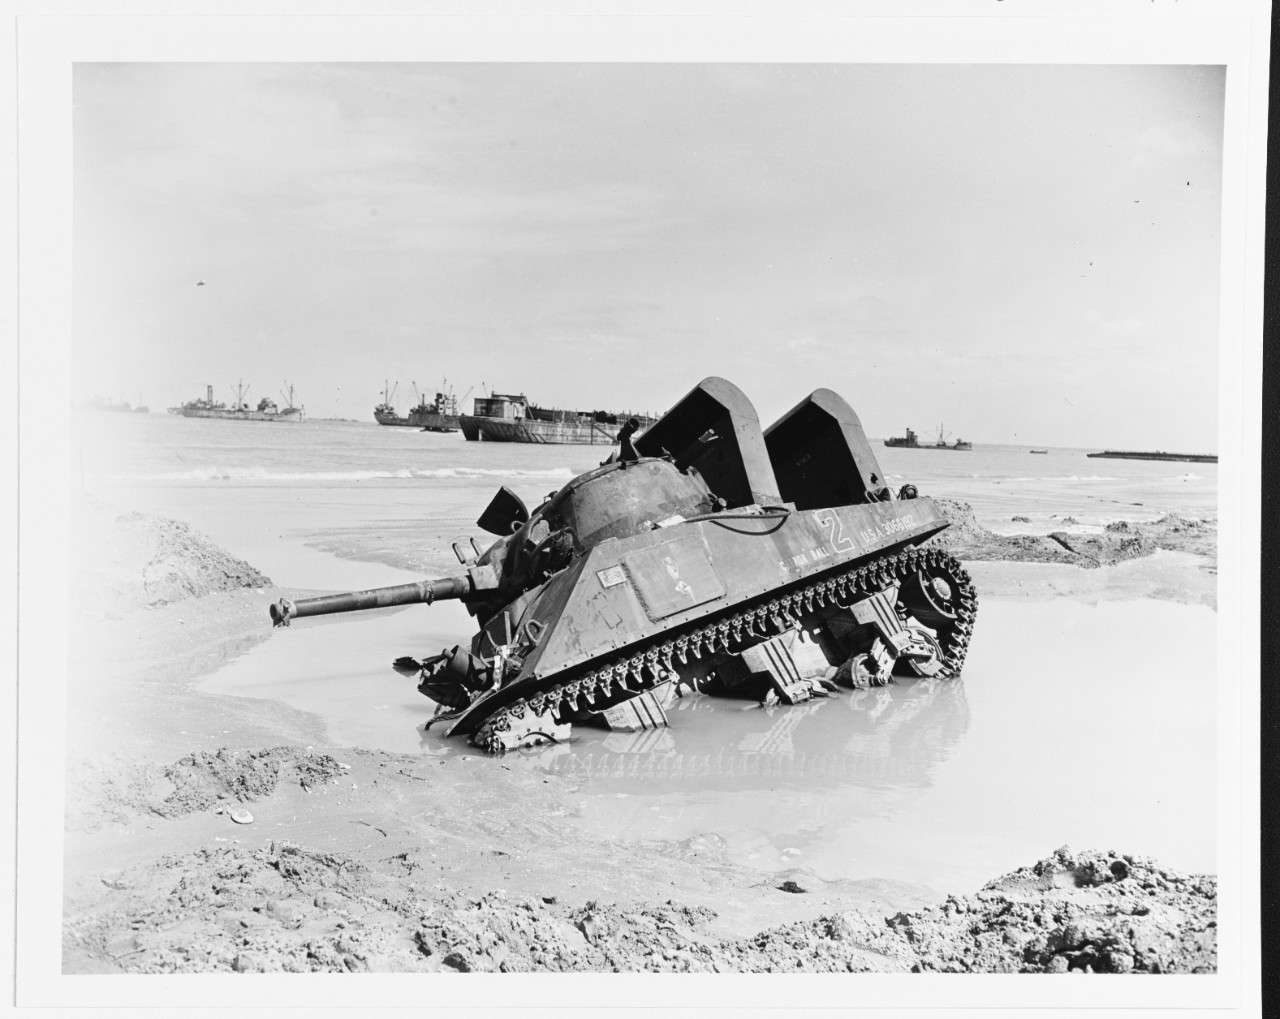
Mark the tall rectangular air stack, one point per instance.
(820, 454)
(716, 430)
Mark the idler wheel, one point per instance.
(930, 597)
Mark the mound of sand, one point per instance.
(101, 791)
(1120, 541)
(1174, 532)
(136, 560)
(287, 908)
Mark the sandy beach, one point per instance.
(363, 853)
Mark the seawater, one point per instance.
(1074, 723)
(998, 480)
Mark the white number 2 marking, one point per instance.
(835, 530)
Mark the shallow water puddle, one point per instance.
(1090, 726)
(1087, 725)
(339, 667)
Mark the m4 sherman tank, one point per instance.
(707, 554)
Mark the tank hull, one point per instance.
(624, 594)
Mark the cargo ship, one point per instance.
(510, 417)
(912, 441)
(440, 415)
(1194, 458)
(908, 441)
(385, 412)
(267, 410)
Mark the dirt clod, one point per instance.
(107, 791)
(1119, 541)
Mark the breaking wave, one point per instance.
(1071, 477)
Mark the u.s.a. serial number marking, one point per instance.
(838, 541)
(885, 528)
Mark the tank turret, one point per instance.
(707, 554)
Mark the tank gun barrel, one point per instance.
(375, 598)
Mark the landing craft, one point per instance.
(706, 554)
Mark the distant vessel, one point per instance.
(385, 412)
(1195, 458)
(440, 415)
(98, 404)
(908, 441)
(507, 417)
(912, 441)
(267, 410)
(1039, 451)
(941, 442)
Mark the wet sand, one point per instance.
(1070, 725)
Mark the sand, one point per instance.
(357, 859)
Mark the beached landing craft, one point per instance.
(706, 554)
(505, 417)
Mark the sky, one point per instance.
(1022, 253)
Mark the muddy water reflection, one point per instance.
(339, 668)
(784, 787)
(889, 737)
(1089, 725)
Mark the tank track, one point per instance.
(646, 668)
